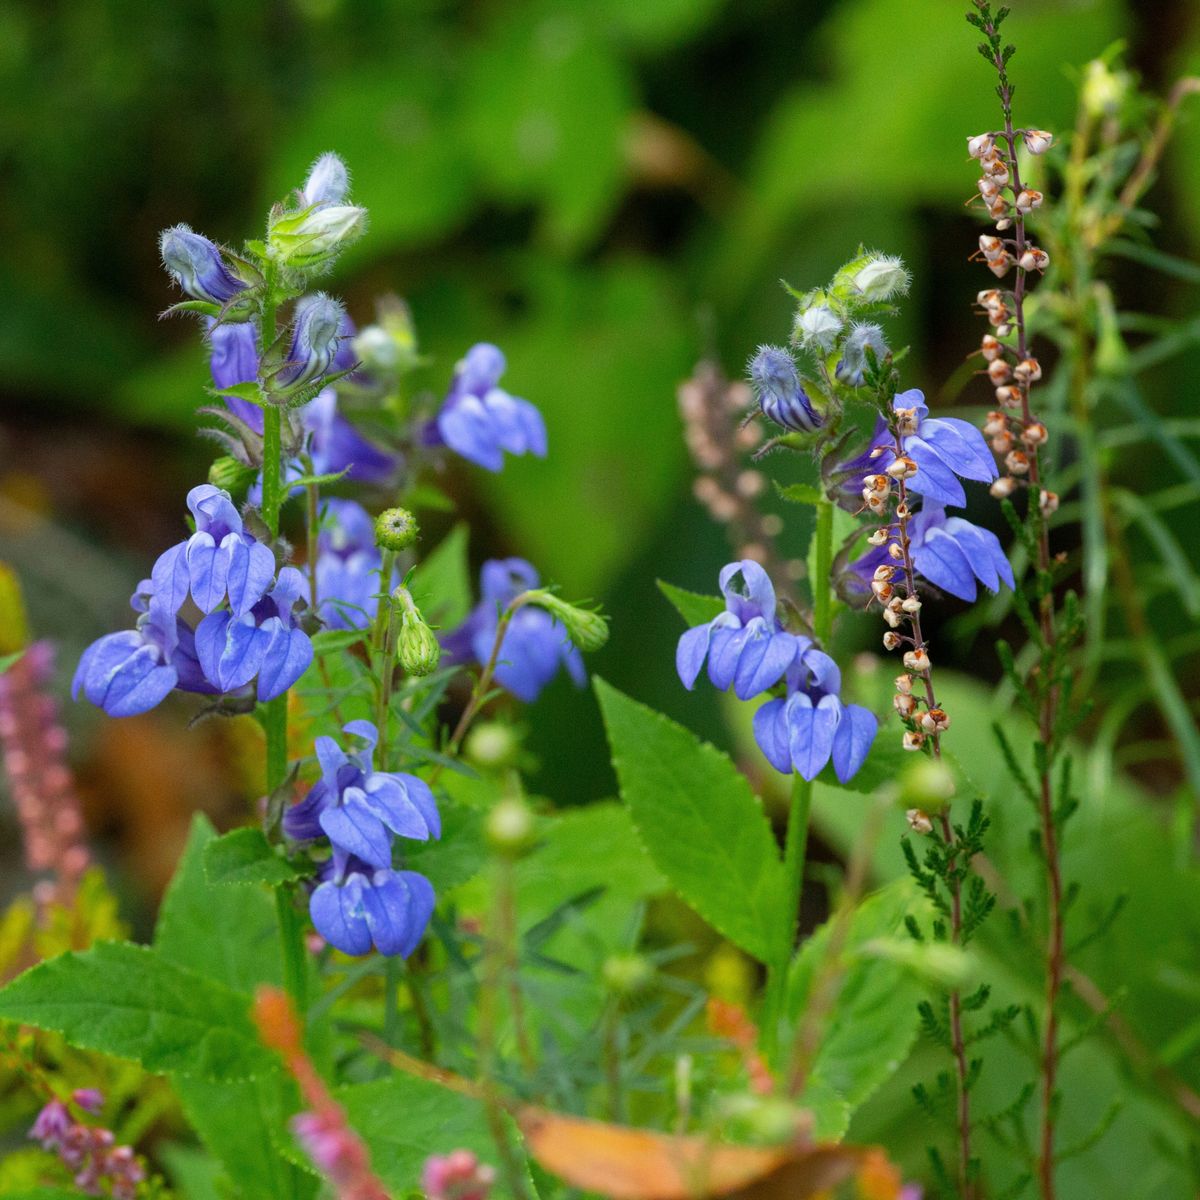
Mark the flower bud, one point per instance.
(980, 145)
(510, 827)
(230, 475)
(935, 720)
(918, 821)
(315, 338)
(882, 589)
(990, 246)
(377, 350)
(1048, 503)
(878, 537)
(781, 396)
(905, 704)
(882, 277)
(1002, 443)
(989, 189)
(585, 627)
(627, 974)
(894, 551)
(884, 572)
(904, 683)
(197, 265)
(328, 182)
(913, 739)
(1017, 462)
(917, 661)
(1034, 259)
(998, 209)
(989, 298)
(1003, 487)
(1034, 434)
(902, 468)
(315, 237)
(995, 168)
(852, 366)
(395, 529)
(1027, 199)
(1028, 370)
(908, 421)
(999, 371)
(1038, 141)
(996, 423)
(1004, 223)
(492, 744)
(990, 348)
(911, 604)
(1008, 397)
(417, 648)
(878, 484)
(891, 640)
(817, 326)
(1000, 265)
(891, 614)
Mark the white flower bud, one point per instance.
(818, 326)
(1017, 462)
(998, 209)
(996, 423)
(1003, 488)
(882, 589)
(1002, 443)
(989, 298)
(994, 167)
(1027, 199)
(1008, 397)
(991, 246)
(905, 704)
(884, 572)
(904, 683)
(879, 484)
(1038, 141)
(894, 551)
(882, 278)
(999, 371)
(891, 616)
(911, 605)
(935, 721)
(902, 468)
(917, 660)
(878, 537)
(1048, 503)
(980, 144)
(918, 821)
(1003, 329)
(1034, 434)
(1028, 370)
(1003, 224)
(1034, 259)
(907, 421)
(1000, 265)
(913, 740)
(876, 451)
(891, 640)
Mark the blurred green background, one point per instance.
(606, 189)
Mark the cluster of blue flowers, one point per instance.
(535, 645)
(360, 899)
(249, 632)
(747, 647)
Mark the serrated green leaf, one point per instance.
(873, 1023)
(801, 493)
(700, 822)
(458, 855)
(243, 391)
(229, 934)
(694, 607)
(131, 1002)
(244, 856)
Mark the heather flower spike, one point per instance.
(196, 264)
(781, 395)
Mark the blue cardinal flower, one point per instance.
(852, 366)
(355, 907)
(811, 725)
(950, 552)
(264, 643)
(348, 563)
(945, 449)
(336, 445)
(479, 420)
(197, 266)
(132, 671)
(360, 810)
(220, 560)
(781, 396)
(535, 645)
(746, 645)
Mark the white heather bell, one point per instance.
(1028, 370)
(989, 188)
(891, 616)
(913, 740)
(1034, 434)
(998, 209)
(989, 297)
(980, 144)
(918, 821)
(1008, 397)
(894, 551)
(1034, 259)
(917, 660)
(904, 683)
(1002, 443)
(1027, 199)
(1017, 462)
(1048, 503)
(999, 371)
(891, 640)
(907, 421)
(902, 468)
(878, 537)
(996, 423)
(1038, 141)
(991, 246)
(905, 704)
(1003, 487)
(935, 721)
(999, 266)
(990, 347)
(911, 605)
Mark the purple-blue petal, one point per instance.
(339, 916)
(852, 741)
(770, 732)
(690, 652)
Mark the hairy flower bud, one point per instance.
(328, 181)
(818, 326)
(315, 237)
(396, 529)
(197, 265)
(230, 475)
(780, 394)
(586, 628)
(315, 338)
(417, 648)
(882, 277)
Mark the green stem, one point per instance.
(291, 938)
(822, 596)
(383, 650)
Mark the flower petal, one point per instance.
(771, 734)
(338, 915)
(852, 742)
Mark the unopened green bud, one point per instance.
(376, 349)
(627, 974)
(417, 646)
(313, 238)
(396, 529)
(1104, 90)
(492, 744)
(585, 627)
(230, 475)
(510, 827)
(926, 784)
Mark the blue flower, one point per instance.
(220, 560)
(479, 420)
(316, 337)
(943, 448)
(348, 563)
(133, 671)
(781, 396)
(354, 907)
(336, 445)
(535, 645)
(197, 266)
(746, 645)
(263, 643)
(950, 552)
(233, 359)
(811, 725)
(852, 366)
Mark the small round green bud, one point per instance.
(230, 475)
(510, 827)
(586, 628)
(760, 1120)
(627, 974)
(492, 744)
(396, 529)
(926, 784)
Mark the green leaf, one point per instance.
(873, 1023)
(801, 493)
(245, 856)
(458, 855)
(229, 934)
(334, 641)
(130, 1002)
(7, 660)
(702, 825)
(441, 583)
(694, 607)
(883, 764)
(243, 391)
